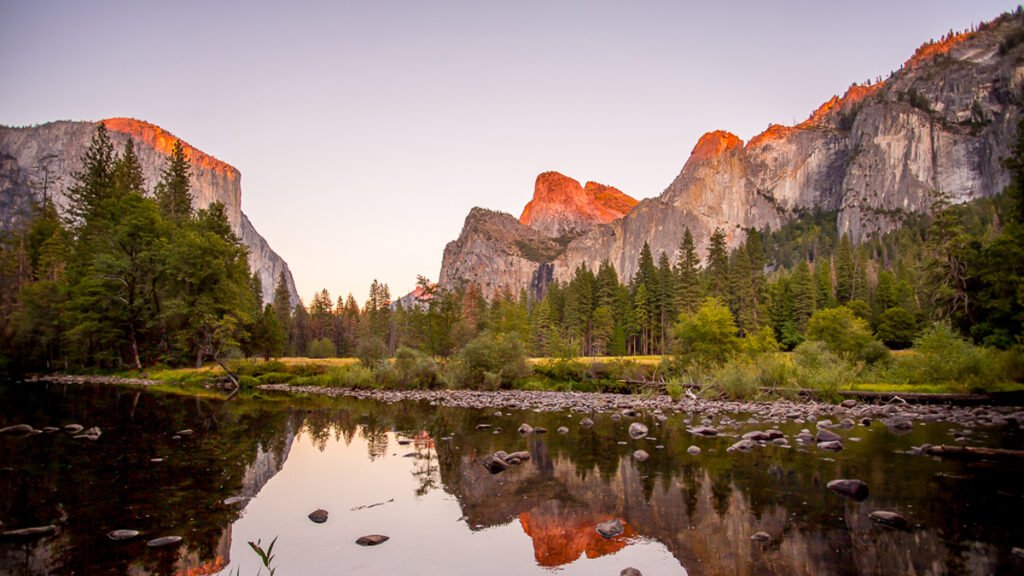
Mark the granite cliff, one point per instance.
(41, 159)
(560, 206)
(938, 127)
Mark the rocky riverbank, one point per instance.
(897, 415)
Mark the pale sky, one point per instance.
(365, 131)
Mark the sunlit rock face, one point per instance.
(42, 159)
(940, 126)
(560, 206)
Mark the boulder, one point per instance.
(164, 541)
(494, 464)
(372, 539)
(852, 488)
(637, 430)
(890, 519)
(641, 455)
(318, 516)
(611, 528)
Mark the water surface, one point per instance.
(412, 472)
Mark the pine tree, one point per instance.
(803, 290)
(688, 288)
(127, 172)
(95, 182)
(823, 283)
(283, 303)
(174, 191)
(717, 272)
(845, 271)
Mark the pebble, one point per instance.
(834, 446)
(525, 429)
(852, 488)
(495, 464)
(562, 430)
(586, 423)
(122, 534)
(372, 540)
(318, 516)
(164, 541)
(17, 429)
(29, 533)
(630, 572)
(693, 450)
(641, 455)
(890, 519)
(761, 537)
(637, 430)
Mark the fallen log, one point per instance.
(973, 452)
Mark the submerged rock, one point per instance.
(824, 435)
(525, 429)
(586, 422)
(319, 515)
(611, 528)
(704, 431)
(122, 534)
(372, 539)
(29, 533)
(17, 429)
(164, 541)
(693, 450)
(637, 430)
(852, 488)
(562, 430)
(495, 464)
(641, 455)
(761, 537)
(834, 446)
(73, 428)
(891, 519)
(744, 445)
(630, 572)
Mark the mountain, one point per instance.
(41, 159)
(936, 129)
(561, 206)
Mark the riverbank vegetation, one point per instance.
(130, 281)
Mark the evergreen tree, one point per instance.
(823, 283)
(845, 271)
(283, 304)
(688, 289)
(716, 274)
(804, 292)
(174, 191)
(95, 182)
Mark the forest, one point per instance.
(124, 280)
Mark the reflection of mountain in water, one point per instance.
(705, 516)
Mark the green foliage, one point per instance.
(266, 556)
(897, 328)
(371, 351)
(708, 337)
(840, 330)
(488, 362)
(414, 369)
(942, 356)
(320, 348)
(817, 367)
(736, 380)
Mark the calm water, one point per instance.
(445, 514)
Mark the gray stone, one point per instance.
(641, 455)
(834, 446)
(122, 534)
(562, 430)
(824, 435)
(73, 428)
(586, 422)
(611, 528)
(693, 450)
(17, 429)
(761, 537)
(637, 430)
(494, 464)
(704, 431)
(891, 519)
(164, 541)
(29, 533)
(852, 488)
(318, 516)
(743, 445)
(525, 429)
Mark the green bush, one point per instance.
(706, 338)
(897, 328)
(371, 351)
(276, 378)
(246, 381)
(736, 380)
(817, 367)
(414, 369)
(841, 330)
(321, 348)
(760, 342)
(488, 362)
(774, 371)
(941, 356)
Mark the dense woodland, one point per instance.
(127, 279)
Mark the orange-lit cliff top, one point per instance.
(163, 141)
(854, 94)
(611, 197)
(934, 48)
(714, 144)
(555, 194)
(559, 540)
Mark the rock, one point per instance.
(525, 429)
(235, 500)
(891, 519)
(743, 445)
(845, 424)
(611, 528)
(50, 429)
(73, 428)
(630, 572)
(17, 429)
(865, 421)
(29, 533)
(899, 425)
(637, 430)
(404, 441)
(185, 432)
(522, 455)
(562, 430)
(834, 446)
(1018, 552)
(761, 537)
(372, 540)
(318, 516)
(693, 450)
(482, 426)
(164, 541)
(494, 464)
(853, 488)
(848, 403)
(616, 417)
(704, 431)
(540, 430)
(824, 435)
(641, 455)
(586, 422)
(629, 413)
(122, 534)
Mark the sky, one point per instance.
(366, 131)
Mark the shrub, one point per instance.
(818, 368)
(415, 369)
(708, 336)
(354, 376)
(774, 371)
(246, 381)
(321, 348)
(488, 362)
(275, 378)
(942, 356)
(897, 327)
(842, 331)
(760, 342)
(371, 351)
(736, 380)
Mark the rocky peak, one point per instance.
(714, 144)
(560, 206)
(163, 141)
